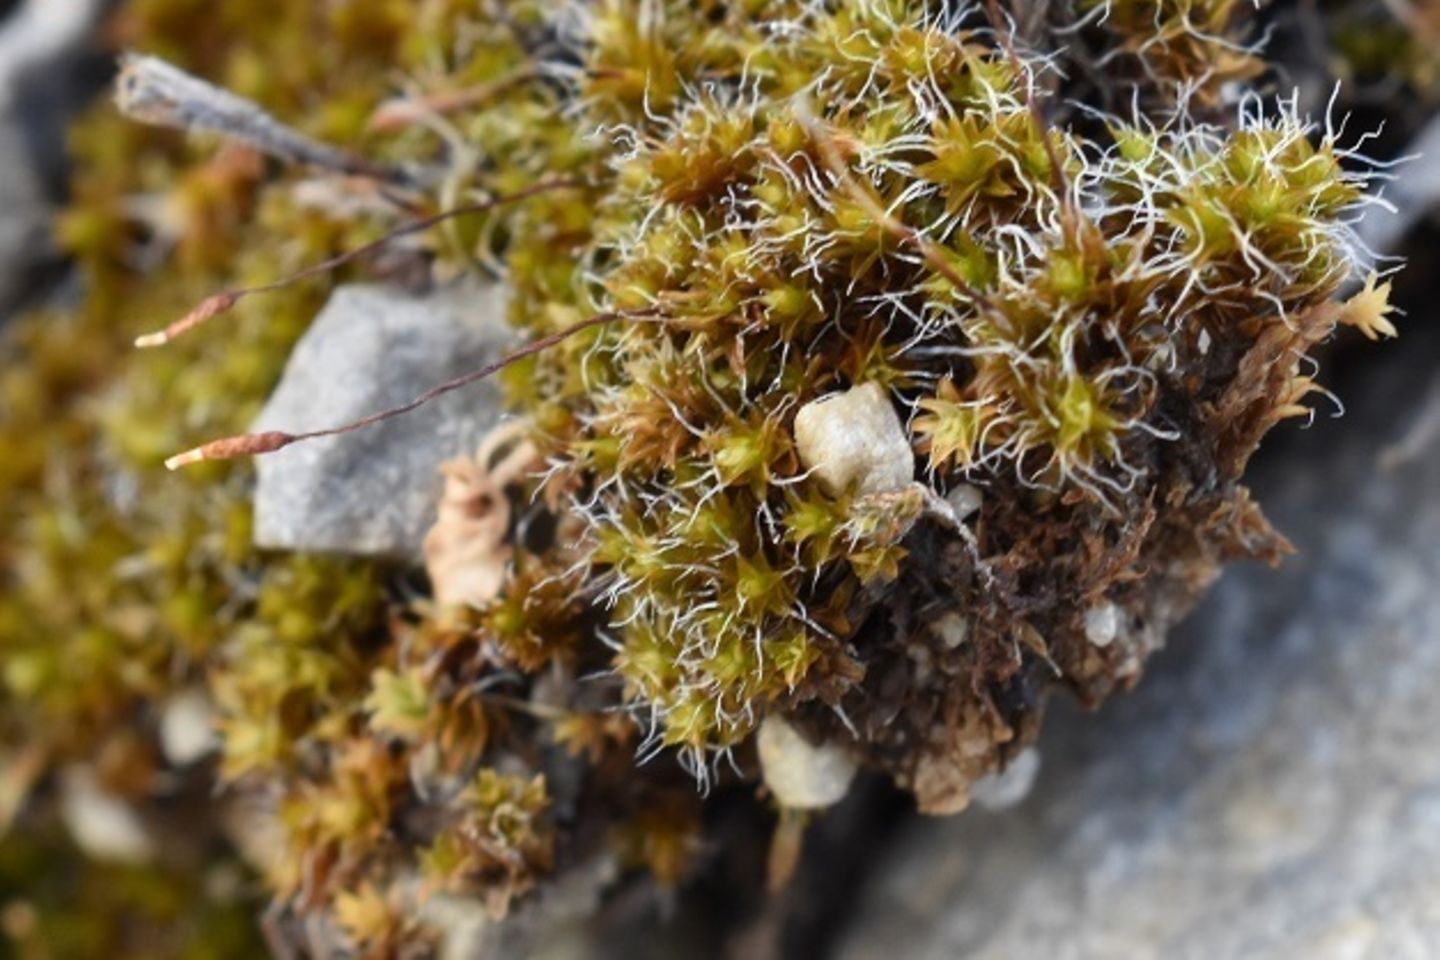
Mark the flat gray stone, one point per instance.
(1271, 790)
(374, 492)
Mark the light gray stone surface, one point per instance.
(37, 34)
(1414, 193)
(373, 492)
(1271, 791)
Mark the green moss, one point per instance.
(56, 904)
(1187, 49)
(778, 280)
(800, 199)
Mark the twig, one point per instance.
(153, 91)
(256, 444)
(224, 301)
(402, 112)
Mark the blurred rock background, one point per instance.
(50, 67)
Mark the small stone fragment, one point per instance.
(854, 441)
(187, 729)
(1412, 198)
(251, 822)
(966, 500)
(1010, 787)
(942, 788)
(101, 824)
(952, 629)
(374, 492)
(1102, 623)
(801, 775)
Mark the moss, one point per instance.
(1094, 323)
(772, 227)
(1379, 47)
(121, 584)
(55, 903)
(1186, 49)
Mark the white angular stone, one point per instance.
(1412, 197)
(802, 776)
(854, 441)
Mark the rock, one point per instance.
(952, 629)
(853, 440)
(101, 824)
(801, 775)
(44, 80)
(24, 218)
(549, 925)
(1009, 787)
(374, 492)
(965, 500)
(1272, 788)
(250, 820)
(37, 34)
(1414, 194)
(1102, 623)
(187, 728)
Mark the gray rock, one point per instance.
(44, 80)
(38, 34)
(25, 212)
(373, 492)
(1272, 789)
(1414, 193)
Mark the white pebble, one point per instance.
(1102, 623)
(101, 824)
(853, 440)
(187, 729)
(952, 629)
(965, 500)
(801, 775)
(1001, 791)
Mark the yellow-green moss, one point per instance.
(784, 200)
